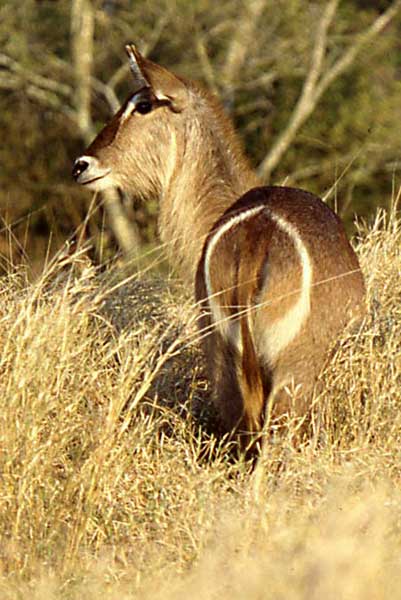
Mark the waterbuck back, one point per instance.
(275, 276)
(278, 281)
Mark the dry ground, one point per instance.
(112, 485)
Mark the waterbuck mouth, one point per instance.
(88, 181)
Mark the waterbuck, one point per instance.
(274, 273)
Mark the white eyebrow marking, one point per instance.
(132, 103)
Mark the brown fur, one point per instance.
(186, 153)
(336, 297)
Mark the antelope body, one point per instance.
(274, 273)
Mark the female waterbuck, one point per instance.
(274, 274)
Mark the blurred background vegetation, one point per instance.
(314, 88)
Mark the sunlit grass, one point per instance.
(112, 485)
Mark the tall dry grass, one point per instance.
(113, 487)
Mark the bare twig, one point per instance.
(343, 63)
(51, 100)
(58, 96)
(82, 34)
(123, 229)
(238, 50)
(107, 92)
(305, 104)
(204, 61)
(26, 75)
(320, 77)
(45, 97)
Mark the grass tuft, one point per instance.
(112, 485)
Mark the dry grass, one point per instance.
(111, 487)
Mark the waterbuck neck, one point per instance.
(208, 172)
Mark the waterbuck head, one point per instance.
(170, 141)
(135, 150)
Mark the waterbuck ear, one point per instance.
(164, 84)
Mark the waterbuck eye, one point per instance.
(143, 107)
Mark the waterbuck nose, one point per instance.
(80, 165)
